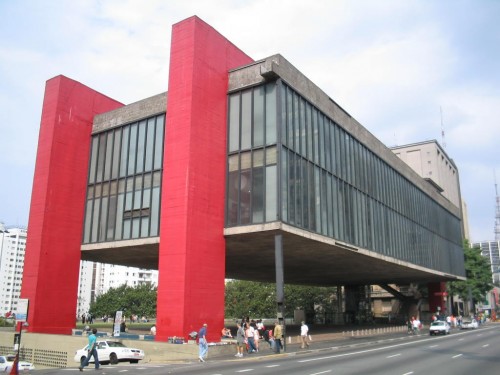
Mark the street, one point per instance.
(461, 352)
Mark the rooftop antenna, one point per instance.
(443, 141)
(497, 211)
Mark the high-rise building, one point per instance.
(98, 278)
(12, 248)
(491, 250)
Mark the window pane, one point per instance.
(155, 212)
(141, 143)
(258, 158)
(93, 160)
(271, 194)
(246, 120)
(270, 155)
(258, 116)
(109, 156)
(232, 198)
(101, 156)
(116, 153)
(258, 195)
(234, 122)
(271, 114)
(124, 151)
(132, 150)
(159, 134)
(245, 196)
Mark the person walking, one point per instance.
(278, 334)
(92, 351)
(304, 330)
(202, 343)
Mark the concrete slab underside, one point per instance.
(309, 259)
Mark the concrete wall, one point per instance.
(57, 351)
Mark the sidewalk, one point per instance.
(324, 338)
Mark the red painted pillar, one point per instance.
(437, 297)
(192, 246)
(51, 266)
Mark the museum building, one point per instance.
(199, 181)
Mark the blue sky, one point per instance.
(391, 64)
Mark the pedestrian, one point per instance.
(416, 325)
(202, 343)
(278, 335)
(92, 351)
(256, 338)
(304, 331)
(250, 336)
(240, 340)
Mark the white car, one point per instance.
(469, 324)
(112, 352)
(7, 361)
(439, 327)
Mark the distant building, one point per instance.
(12, 248)
(95, 278)
(98, 278)
(491, 250)
(432, 163)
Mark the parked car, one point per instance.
(7, 361)
(439, 327)
(112, 352)
(469, 324)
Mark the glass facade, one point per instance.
(288, 161)
(124, 182)
(252, 193)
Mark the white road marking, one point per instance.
(394, 355)
(246, 370)
(433, 346)
(408, 373)
(384, 347)
(456, 356)
(270, 366)
(486, 345)
(322, 372)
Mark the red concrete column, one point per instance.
(51, 267)
(437, 297)
(192, 246)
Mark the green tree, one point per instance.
(140, 300)
(478, 272)
(255, 299)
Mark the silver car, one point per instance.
(439, 327)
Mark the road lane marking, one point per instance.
(386, 347)
(456, 356)
(270, 366)
(486, 345)
(322, 372)
(246, 370)
(433, 346)
(408, 373)
(394, 355)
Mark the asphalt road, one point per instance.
(461, 352)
